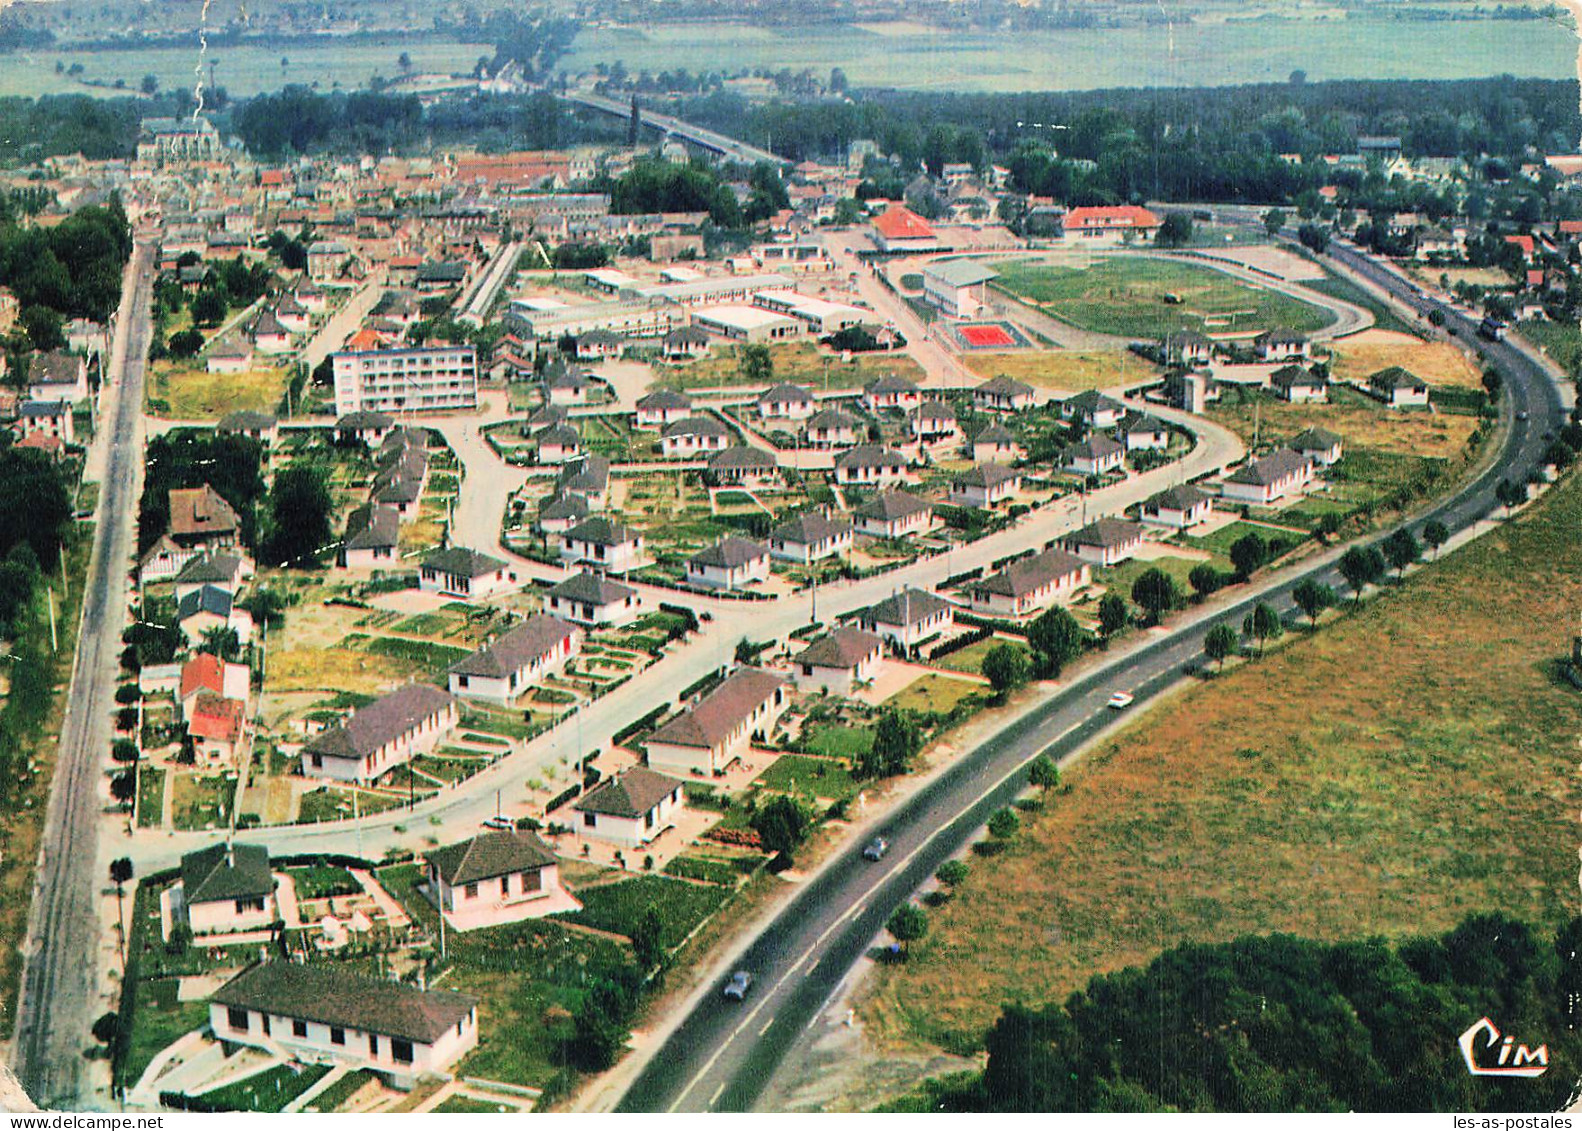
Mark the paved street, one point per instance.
(65, 976)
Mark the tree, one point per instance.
(221, 641)
(185, 343)
(300, 506)
(106, 1027)
(150, 84)
(1205, 579)
(648, 938)
(1436, 534)
(1112, 614)
(1043, 773)
(896, 741)
(123, 787)
(907, 925)
(1156, 593)
(1265, 624)
(209, 307)
(1314, 237)
(120, 873)
(756, 364)
(1006, 668)
(1312, 597)
(1056, 637)
(1248, 554)
(404, 61)
(1274, 221)
(952, 873)
(1510, 494)
(1401, 550)
(1176, 230)
(1004, 824)
(1360, 566)
(782, 824)
(599, 1026)
(1220, 644)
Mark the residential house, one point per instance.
(231, 354)
(57, 376)
(898, 229)
(215, 727)
(830, 428)
(630, 810)
(496, 878)
(986, 485)
(164, 560)
(692, 437)
(468, 574)
(208, 608)
(1093, 409)
(1029, 585)
(1321, 446)
(559, 443)
(587, 478)
(224, 888)
(1002, 394)
(46, 418)
(560, 513)
(995, 443)
(932, 422)
(599, 345)
(1113, 224)
(743, 467)
(1096, 454)
(731, 563)
(201, 519)
(1296, 385)
(524, 654)
(207, 674)
(785, 402)
(606, 545)
(366, 428)
(891, 391)
(685, 343)
(1187, 348)
(268, 336)
(1143, 433)
(662, 407)
(809, 538)
(838, 661)
(1262, 481)
(1281, 345)
(717, 730)
(373, 533)
(568, 387)
(908, 618)
(870, 465)
(317, 1012)
(1177, 507)
(1398, 387)
(893, 514)
(386, 733)
(260, 426)
(594, 600)
(1106, 542)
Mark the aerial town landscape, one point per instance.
(728, 557)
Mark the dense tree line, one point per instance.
(228, 463)
(73, 269)
(1280, 1023)
(296, 120)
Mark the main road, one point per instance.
(721, 1055)
(62, 979)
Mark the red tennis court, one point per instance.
(985, 337)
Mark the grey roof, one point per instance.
(516, 648)
(844, 648)
(906, 608)
(695, 426)
(830, 418)
(328, 994)
(209, 568)
(1288, 376)
(563, 506)
(458, 561)
(1314, 440)
(364, 421)
(54, 368)
(1395, 377)
(1096, 446)
(1272, 468)
(1106, 532)
(488, 855)
(1002, 387)
(1028, 575)
(890, 383)
(933, 410)
(548, 415)
(34, 409)
(206, 599)
(245, 420)
(631, 795)
(560, 435)
(591, 588)
(1280, 337)
(379, 722)
(1180, 498)
(267, 323)
(986, 475)
(590, 474)
(887, 506)
(995, 433)
(741, 458)
(785, 393)
(687, 335)
(961, 272)
(720, 711)
(870, 455)
(730, 552)
(599, 337)
(600, 531)
(807, 529)
(1090, 402)
(1142, 422)
(665, 399)
(372, 527)
(225, 872)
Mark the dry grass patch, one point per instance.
(1438, 363)
(801, 362)
(1430, 276)
(1064, 370)
(1360, 423)
(192, 393)
(334, 669)
(1412, 763)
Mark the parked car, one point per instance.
(1121, 700)
(500, 824)
(740, 982)
(876, 849)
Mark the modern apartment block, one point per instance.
(424, 379)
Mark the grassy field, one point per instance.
(334, 669)
(1408, 765)
(935, 692)
(200, 802)
(469, 1105)
(1358, 420)
(1060, 369)
(318, 881)
(833, 740)
(970, 658)
(796, 361)
(150, 796)
(1344, 289)
(619, 907)
(1438, 363)
(824, 778)
(191, 393)
(1560, 340)
(1126, 295)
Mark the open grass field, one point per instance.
(619, 907)
(935, 692)
(1067, 371)
(1410, 764)
(794, 361)
(191, 393)
(1438, 363)
(970, 658)
(1358, 420)
(823, 778)
(1562, 341)
(334, 669)
(1127, 296)
(200, 802)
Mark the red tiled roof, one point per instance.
(216, 718)
(1121, 216)
(1523, 242)
(1535, 278)
(364, 340)
(42, 440)
(1571, 227)
(899, 222)
(270, 178)
(204, 672)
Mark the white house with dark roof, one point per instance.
(742, 466)
(1141, 433)
(1093, 408)
(1320, 445)
(891, 391)
(838, 661)
(366, 428)
(1029, 585)
(223, 888)
(320, 1012)
(1106, 542)
(1281, 345)
(468, 574)
(1398, 387)
(588, 478)
(518, 658)
(986, 485)
(1096, 454)
(663, 406)
(495, 878)
(830, 428)
(57, 376)
(785, 401)
(908, 618)
(1177, 507)
(373, 534)
(560, 513)
(995, 443)
(599, 542)
(559, 443)
(810, 538)
(260, 426)
(1262, 481)
(870, 465)
(932, 422)
(209, 607)
(707, 737)
(893, 514)
(630, 810)
(391, 730)
(731, 563)
(694, 436)
(591, 599)
(1296, 385)
(1002, 394)
(49, 418)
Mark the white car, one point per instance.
(1121, 700)
(500, 824)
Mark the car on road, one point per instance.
(1522, 415)
(738, 985)
(876, 848)
(1121, 700)
(500, 824)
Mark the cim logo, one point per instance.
(1513, 1059)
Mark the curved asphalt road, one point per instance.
(721, 1056)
